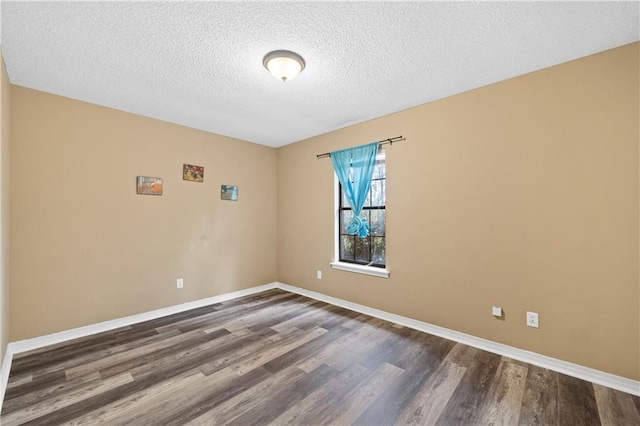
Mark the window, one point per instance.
(369, 251)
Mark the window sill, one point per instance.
(360, 269)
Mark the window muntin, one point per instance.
(370, 251)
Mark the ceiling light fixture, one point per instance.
(283, 64)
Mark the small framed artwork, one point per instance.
(229, 192)
(192, 173)
(146, 185)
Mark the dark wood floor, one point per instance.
(280, 358)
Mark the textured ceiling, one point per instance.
(199, 64)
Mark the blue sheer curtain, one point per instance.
(354, 167)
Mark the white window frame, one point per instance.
(345, 266)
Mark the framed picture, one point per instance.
(146, 185)
(192, 173)
(229, 192)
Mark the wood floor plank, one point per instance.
(321, 406)
(390, 349)
(277, 357)
(418, 366)
(338, 317)
(504, 400)
(576, 402)
(266, 317)
(227, 411)
(163, 406)
(310, 318)
(540, 399)
(461, 354)
(263, 357)
(254, 299)
(615, 407)
(281, 315)
(356, 402)
(428, 404)
(220, 316)
(365, 332)
(175, 318)
(391, 403)
(62, 347)
(269, 409)
(36, 383)
(368, 343)
(60, 401)
(86, 357)
(154, 376)
(188, 358)
(16, 380)
(358, 320)
(242, 349)
(137, 402)
(304, 351)
(206, 398)
(91, 402)
(411, 345)
(62, 354)
(33, 397)
(465, 403)
(130, 361)
(155, 349)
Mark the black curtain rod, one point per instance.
(388, 141)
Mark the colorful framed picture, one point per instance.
(146, 185)
(192, 173)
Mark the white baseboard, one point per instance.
(605, 379)
(585, 373)
(63, 336)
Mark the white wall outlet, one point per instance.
(496, 311)
(319, 275)
(532, 319)
(179, 283)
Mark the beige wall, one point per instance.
(522, 194)
(5, 106)
(86, 248)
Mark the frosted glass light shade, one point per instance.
(283, 64)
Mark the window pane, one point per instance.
(362, 250)
(366, 215)
(378, 250)
(378, 223)
(345, 218)
(347, 247)
(367, 202)
(379, 171)
(345, 203)
(377, 193)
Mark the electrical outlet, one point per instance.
(319, 275)
(179, 283)
(532, 319)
